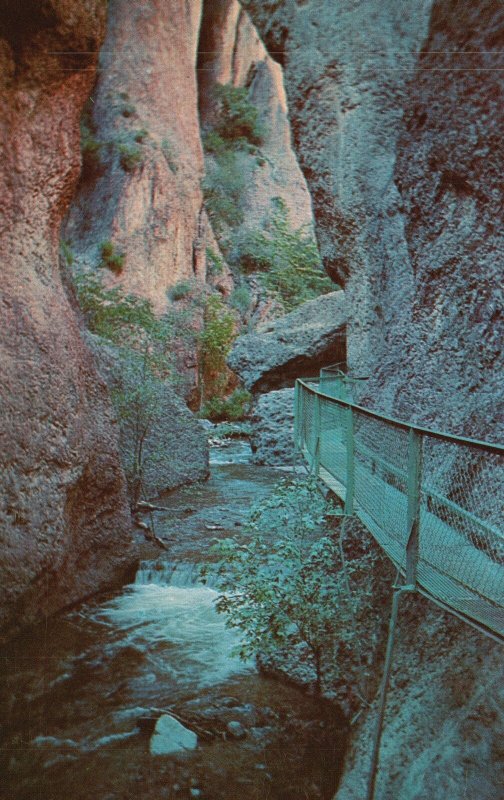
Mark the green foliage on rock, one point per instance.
(280, 584)
(110, 258)
(288, 260)
(234, 408)
(238, 118)
(215, 342)
(223, 188)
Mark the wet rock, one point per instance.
(272, 438)
(170, 736)
(236, 730)
(296, 345)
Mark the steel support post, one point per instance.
(414, 491)
(350, 461)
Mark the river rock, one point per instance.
(296, 345)
(65, 529)
(272, 438)
(236, 730)
(170, 736)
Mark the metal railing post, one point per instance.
(350, 461)
(316, 460)
(415, 441)
(297, 414)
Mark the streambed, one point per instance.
(80, 696)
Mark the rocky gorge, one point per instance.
(163, 164)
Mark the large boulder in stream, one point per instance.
(170, 736)
(293, 346)
(272, 438)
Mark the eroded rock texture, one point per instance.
(231, 52)
(294, 346)
(144, 195)
(397, 115)
(64, 522)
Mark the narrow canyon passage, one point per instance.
(84, 691)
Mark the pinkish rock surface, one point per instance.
(64, 522)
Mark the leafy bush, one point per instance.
(287, 259)
(215, 263)
(233, 408)
(238, 118)
(91, 146)
(240, 299)
(181, 289)
(130, 156)
(215, 342)
(223, 188)
(282, 588)
(110, 258)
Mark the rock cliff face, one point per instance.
(397, 114)
(143, 192)
(231, 52)
(395, 118)
(64, 521)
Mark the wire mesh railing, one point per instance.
(432, 501)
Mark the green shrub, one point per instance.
(66, 253)
(130, 156)
(181, 289)
(233, 408)
(238, 118)
(91, 146)
(215, 342)
(288, 260)
(223, 188)
(281, 582)
(240, 299)
(215, 263)
(110, 259)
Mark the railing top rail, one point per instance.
(449, 437)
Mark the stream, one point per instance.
(81, 695)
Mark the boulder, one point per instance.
(296, 345)
(170, 736)
(175, 449)
(272, 438)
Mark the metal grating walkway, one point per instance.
(432, 501)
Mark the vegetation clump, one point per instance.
(215, 340)
(110, 258)
(288, 260)
(281, 584)
(236, 407)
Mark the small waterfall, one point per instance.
(167, 573)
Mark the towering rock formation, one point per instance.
(64, 523)
(396, 118)
(231, 52)
(397, 112)
(143, 192)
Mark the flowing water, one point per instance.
(81, 694)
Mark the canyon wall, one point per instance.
(65, 524)
(141, 190)
(231, 52)
(397, 114)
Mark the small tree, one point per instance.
(282, 587)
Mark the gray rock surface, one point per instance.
(272, 438)
(175, 449)
(293, 346)
(170, 736)
(398, 114)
